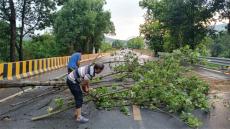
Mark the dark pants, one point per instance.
(77, 93)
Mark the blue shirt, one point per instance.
(73, 60)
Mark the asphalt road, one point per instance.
(19, 117)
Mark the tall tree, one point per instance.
(8, 13)
(4, 40)
(153, 33)
(81, 24)
(224, 10)
(31, 15)
(185, 21)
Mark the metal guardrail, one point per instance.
(212, 60)
(218, 61)
(224, 63)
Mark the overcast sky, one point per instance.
(126, 16)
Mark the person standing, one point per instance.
(74, 62)
(78, 82)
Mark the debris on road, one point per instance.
(158, 85)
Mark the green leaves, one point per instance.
(125, 110)
(81, 25)
(118, 44)
(164, 83)
(105, 47)
(191, 120)
(43, 46)
(4, 40)
(136, 43)
(173, 24)
(59, 102)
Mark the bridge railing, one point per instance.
(23, 69)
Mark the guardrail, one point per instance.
(23, 69)
(223, 62)
(217, 60)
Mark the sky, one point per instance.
(126, 16)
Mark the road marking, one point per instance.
(16, 94)
(136, 113)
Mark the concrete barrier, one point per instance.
(28, 68)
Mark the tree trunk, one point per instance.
(12, 31)
(193, 27)
(228, 25)
(20, 53)
(96, 50)
(88, 46)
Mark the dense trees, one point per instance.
(4, 40)
(225, 11)
(172, 24)
(219, 45)
(118, 44)
(136, 43)
(41, 47)
(105, 47)
(25, 16)
(81, 24)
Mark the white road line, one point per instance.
(17, 94)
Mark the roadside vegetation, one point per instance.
(173, 24)
(169, 25)
(20, 20)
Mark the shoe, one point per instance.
(82, 120)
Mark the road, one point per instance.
(100, 119)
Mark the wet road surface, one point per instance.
(100, 119)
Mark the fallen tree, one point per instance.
(162, 85)
(16, 84)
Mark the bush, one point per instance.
(106, 47)
(136, 43)
(43, 46)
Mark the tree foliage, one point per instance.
(26, 16)
(4, 41)
(220, 47)
(173, 24)
(118, 44)
(164, 85)
(81, 24)
(105, 47)
(154, 35)
(224, 10)
(43, 46)
(136, 43)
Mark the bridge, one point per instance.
(17, 106)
